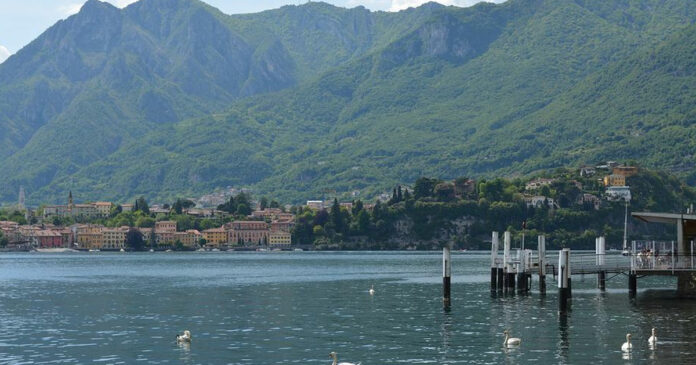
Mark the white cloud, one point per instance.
(70, 9)
(74, 7)
(4, 54)
(122, 3)
(397, 5)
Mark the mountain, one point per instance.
(172, 97)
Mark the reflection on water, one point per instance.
(294, 308)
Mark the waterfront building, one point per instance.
(48, 239)
(248, 232)
(114, 238)
(215, 236)
(189, 238)
(280, 238)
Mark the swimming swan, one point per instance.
(334, 356)
(510, 341)
(652, 341)
(627, 346)
(372, 290)
(186, 337)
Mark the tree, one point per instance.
(3, 240)
(424, 187)
(145, 222)
(263, 203)
(399, 194)
(321, 218)
(134, 240)
(243, 209)
(141, 205)
(274, 204)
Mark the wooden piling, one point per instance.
(632, 284)
(600, 249)
(446, 273)
(541, 249)
(507, 263)
(494, 264)
(563, 279)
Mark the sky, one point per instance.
(21, 21)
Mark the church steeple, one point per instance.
(70, 201)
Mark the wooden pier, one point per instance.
(512, 272)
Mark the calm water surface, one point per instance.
(294, 308)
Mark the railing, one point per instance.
(661, 256)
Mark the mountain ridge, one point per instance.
(395, 96)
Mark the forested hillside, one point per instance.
(174, 98)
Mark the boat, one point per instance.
(55, 250)
(122, 250)
(94, 250)
(298, 250)
(151, 250)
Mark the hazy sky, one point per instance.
(21, 21)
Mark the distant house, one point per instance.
(315, 204)
(626, 171)
(538, 183)
(539, 201)
(587, 171)
(590, 199)
(616, 193)
(615, 180)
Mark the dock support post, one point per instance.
(446, 273)
(494, 264)
(521, 286)
(600, 249)
(542, 263)
(507, 263)
(632, 284)
(563, 279)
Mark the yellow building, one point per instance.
(114, 238)
(626, 171)
(280, 238)
(215, 236)
(615, 180)
(189, 238)
(90, 240)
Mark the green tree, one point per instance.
(141, 205)
(134, 240)
(263, 203)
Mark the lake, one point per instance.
(296, 307)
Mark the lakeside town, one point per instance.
(241, 223)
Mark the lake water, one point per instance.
(294, 308)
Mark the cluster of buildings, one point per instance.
(269, 227)
(614, 182)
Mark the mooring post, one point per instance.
(600, 249)
(542, 263)
(632, 284)
(446, 273)
(563, 276)
(494, 264)
(520, 271)
(507, 262)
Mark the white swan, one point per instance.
(372, 290)
(186, 337)
(334, 356)
(652, 341)
(627, 346)
(510, 341)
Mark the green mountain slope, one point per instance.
(348, 99)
